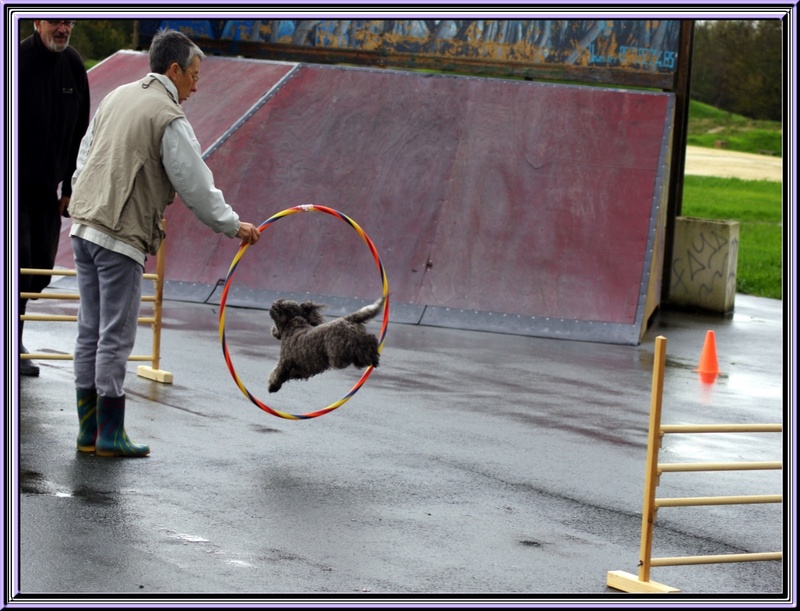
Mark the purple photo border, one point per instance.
(184, 10)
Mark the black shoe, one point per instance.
(27, 367)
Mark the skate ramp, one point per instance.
(507, 206)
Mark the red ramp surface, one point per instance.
(508, 206)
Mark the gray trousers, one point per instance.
(110, 287)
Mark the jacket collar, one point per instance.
(43, 51)
(168, 85)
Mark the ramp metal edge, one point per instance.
(404, 313)
(250, 111)
(531, 326)
(655, 211)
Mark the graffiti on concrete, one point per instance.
(639, 44)
(708, 261)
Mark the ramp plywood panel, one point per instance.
(349, 140)
(551, 203)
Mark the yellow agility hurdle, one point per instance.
(641, 583)
(151, 371)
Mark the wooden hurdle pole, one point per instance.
(152, 371)
(621, 580)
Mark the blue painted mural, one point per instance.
(637, 44)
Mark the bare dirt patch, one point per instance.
(702, 161)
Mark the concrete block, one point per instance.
(705, 254)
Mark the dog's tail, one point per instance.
(367, 312)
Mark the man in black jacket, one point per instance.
(53, 117)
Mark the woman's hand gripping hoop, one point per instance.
(229, 278)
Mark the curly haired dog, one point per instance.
(309, 345)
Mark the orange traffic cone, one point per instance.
(708, 366)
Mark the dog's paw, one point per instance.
(274, 381)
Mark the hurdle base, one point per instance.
(620, 580)
(159, 375)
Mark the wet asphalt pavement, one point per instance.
(470, 465)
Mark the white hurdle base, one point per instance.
(626, 582)
(159, 375)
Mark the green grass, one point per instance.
(711, 127)
(757, 206)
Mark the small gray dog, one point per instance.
(309, 345)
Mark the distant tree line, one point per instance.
(95, 39)
(737, 65)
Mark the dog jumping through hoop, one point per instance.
(310, 345)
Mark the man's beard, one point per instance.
(58, 44)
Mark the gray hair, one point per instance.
(170, 46)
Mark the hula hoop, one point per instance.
(242, 249)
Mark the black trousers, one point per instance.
(39, 232)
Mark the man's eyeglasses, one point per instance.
(195, 76)
(58, 22)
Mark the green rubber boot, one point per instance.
(112, 440)
(87, 419)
